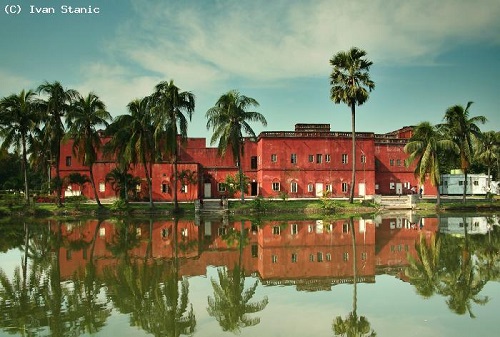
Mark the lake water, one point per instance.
(393, 275)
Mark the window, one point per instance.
(363, 159)
(391, 162)
(344, 187)
(274, 158)
(398, 162)
(311, 257)
(253, 162)
(345, 158)
(222, 231)
(346, 256)
(476, 183)
(319, 158)
(310, 188)
(311, 158)
(294, 187)
(184, 188)
(293, 158)
(320, 257)
(274, 258)
(164, 233)
(364, 255)
(391, 186)
(295, 229)
(221, 187)
(461, 183)
(294, 257)
(255, 250)
(68, 161)
(345, 228)
(327, 158)
(276, 186)
(276, 230)
(164, 188)
(328, 256)
(328, 187)
(102, 187)
(102, 232)
(138, 187)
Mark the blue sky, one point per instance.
(427, 55)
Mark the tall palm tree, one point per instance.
(488, 151)
(351, 84)
(229, 119)
(86, 114)
(132, 139)
(424, 147)
(462, 129)
(353, 325)
(55, 107)
(170, 123)
(18, 120)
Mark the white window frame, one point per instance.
(294, 187)
(274, 158)
(344, 187)
(327, 158)
(102, 186)
(276, 186)
(310, 188)
(293, 158)
(184, 188)
(221, 187)
(345, 158)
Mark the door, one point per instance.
(362, 189)
(319, 189)
(399, 188)
(207, 190)
(253, 189)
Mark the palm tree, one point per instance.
(423, 273)
(55, 106)
(18, 121)
(488, 152)
(228, 119)
(132, 139)
(351, 84)
(424, 148)
(86, 114)
(170, 123)
(462, 129)
(353, 325)
(120, 181)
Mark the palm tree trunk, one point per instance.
(353, 176)
(176, 202)
(465, 187)
(91, 173)
(148, 178)
(25, 171)
(240, 170)
(353, 236)
(438, 197)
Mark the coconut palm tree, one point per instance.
(86, 114)
(353, 325)
(18, 120)
(169, 106)
(229, 119)
(462, 129)
(351, 84)
(424, 147)
(132, 139)
(488, 151)
(55, 106)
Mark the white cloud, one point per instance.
(207, 42)
(13, 84)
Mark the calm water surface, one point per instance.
(394, 275)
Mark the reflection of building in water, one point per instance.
(473, 225)
(310, 254)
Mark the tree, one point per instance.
(351, 84)
(462, 129)
(169, 106)
(85, 115)
(229, 119)
(121, 181)
(18, 120)
(54, 107)
(132, 139)
(78, 179)
(424, 148)
(488, 151)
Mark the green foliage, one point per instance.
(283, 195)
(232, 184)
(327, 203)
(258, 204)
(119, 205)
(76, 200)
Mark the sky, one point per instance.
(427, 55)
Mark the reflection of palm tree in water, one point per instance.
(353, 325)
(231, 302)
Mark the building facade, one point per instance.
(311, 161)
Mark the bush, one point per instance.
(258, 204)
(119, 205)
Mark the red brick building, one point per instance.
(307, 162)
